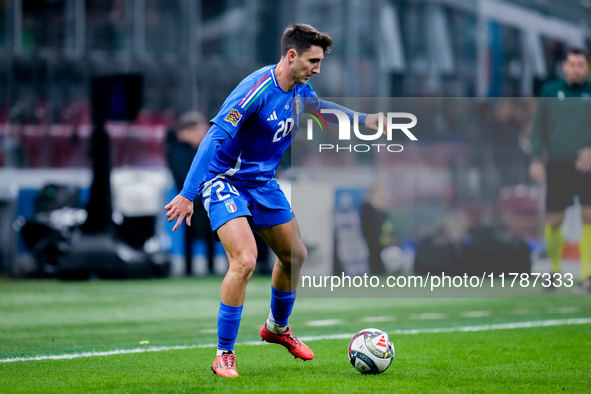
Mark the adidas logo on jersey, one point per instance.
(272, 117)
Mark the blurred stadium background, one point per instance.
(191, 53)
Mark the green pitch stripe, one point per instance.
(258, 94)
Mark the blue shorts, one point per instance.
(264, 206)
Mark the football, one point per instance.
(371, 351)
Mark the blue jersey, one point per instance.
(254, 127)
(259, 118)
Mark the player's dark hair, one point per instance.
(575, 51)
(301, 37)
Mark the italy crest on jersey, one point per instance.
(231, 206)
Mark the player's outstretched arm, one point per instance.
(372, 121)
(180, 207)
(200, 166)
(324, 104)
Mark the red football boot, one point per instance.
(225, 365)
(296, 347)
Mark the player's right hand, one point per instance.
(583, 163)
(537, 171)
(180, 207)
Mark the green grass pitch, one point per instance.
(442, 345)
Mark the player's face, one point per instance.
(575, 68)
(306, 64)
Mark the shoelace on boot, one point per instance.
(229, 360)
(291, 338)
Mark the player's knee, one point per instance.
(300, 255)
(244, 264)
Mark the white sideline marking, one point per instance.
(428, 316)
(323, 323)
(484, 327)
(377, 319)
(476, 313)
(107, 353)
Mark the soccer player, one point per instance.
(562, 130)
(234, 171)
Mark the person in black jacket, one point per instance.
(182, 146)
(376, 228)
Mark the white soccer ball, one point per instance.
(371, 351)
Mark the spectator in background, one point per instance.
(117, 26)
(376, 228)
(182, 146)
(562, 134)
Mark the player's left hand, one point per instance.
(372, 122)
(180, 207)
(583, 163)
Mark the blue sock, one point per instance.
(281, 306)
(228, 324)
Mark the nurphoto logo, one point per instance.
(345, 131)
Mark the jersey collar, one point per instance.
(274, 77)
